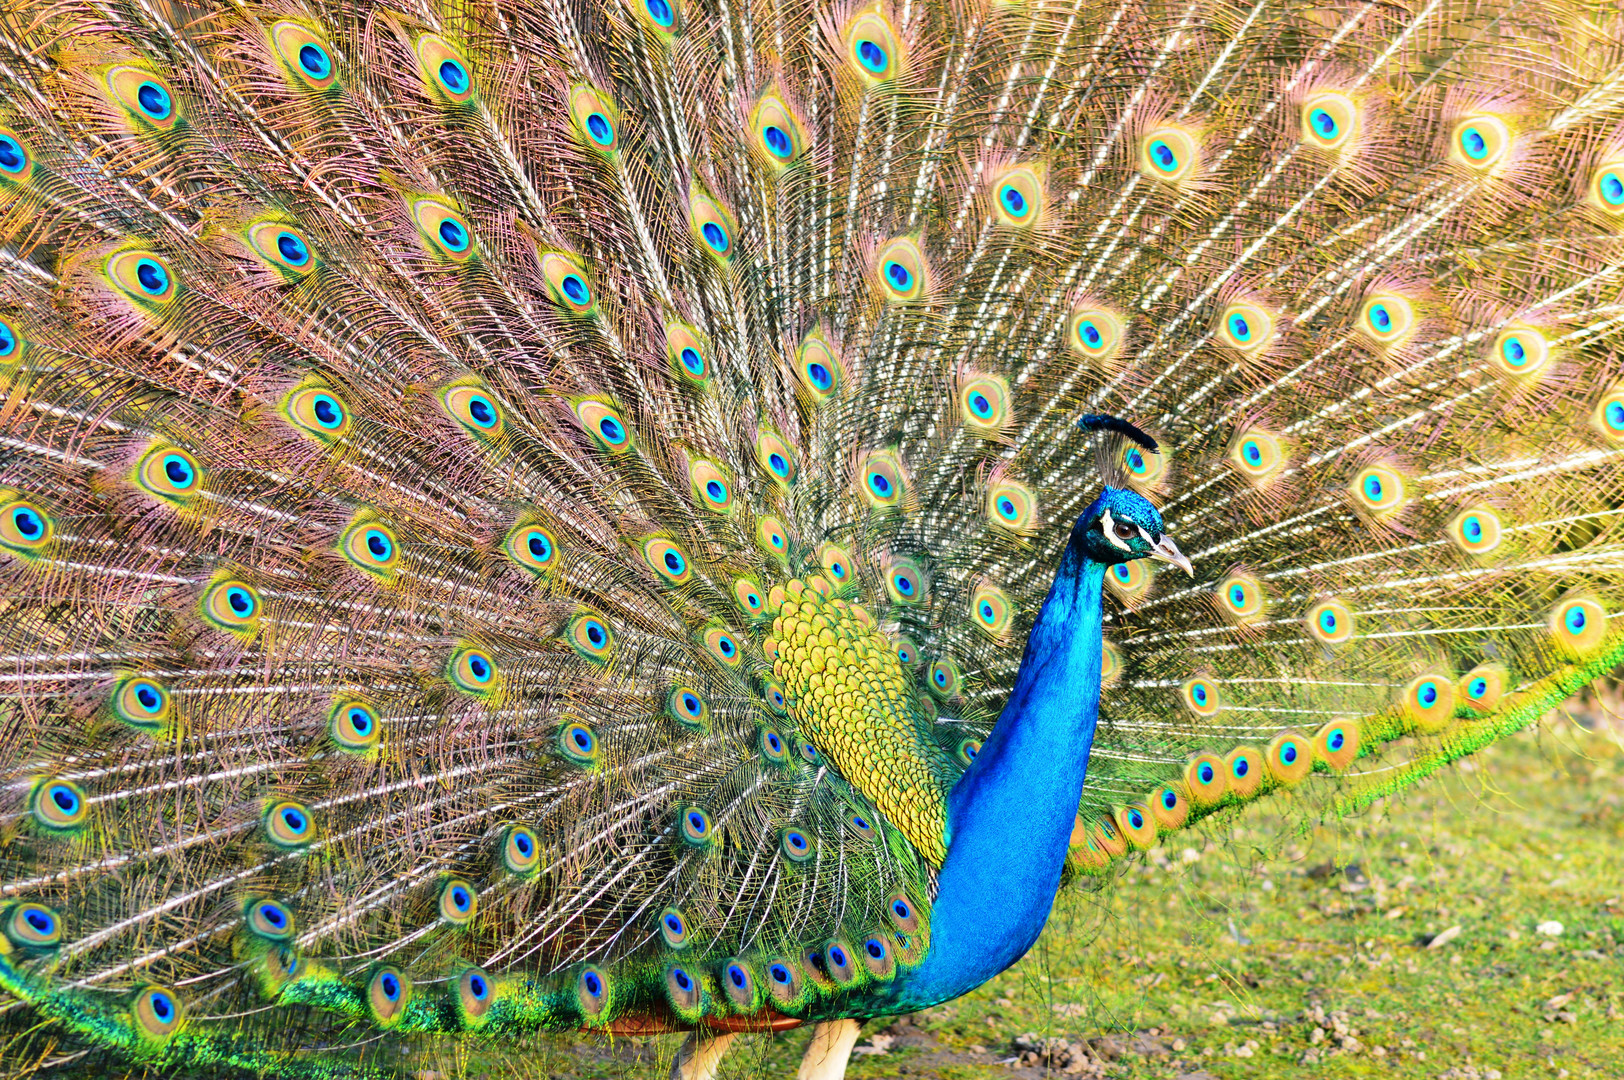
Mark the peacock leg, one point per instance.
(830, 1049)
(700, 1055)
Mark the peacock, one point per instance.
(645, 516)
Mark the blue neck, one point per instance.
(1010, 816)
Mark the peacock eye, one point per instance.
(1125, 530)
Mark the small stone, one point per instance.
(1549, 928)
(1444, 937)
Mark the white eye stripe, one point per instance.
(1108, 527)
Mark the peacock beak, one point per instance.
(1167, 551)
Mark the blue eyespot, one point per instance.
(1239, 329)
(315, 61)
(778, 141)
(1013, 201)
(1327, 621)
(1122, 573)
(780, 467)
(695, 364)
(861, 823)
(779, 974)
(715, 236)
(1006, 509)
(697, 822)
(980, 405)
(13, 158)
(272, 914)
(725, 646)
(179, 471)
(820, 376)
(576, 290)
(293, 249)
(583, 739)
(478, 987)
(154, 100)
(1574, 619)
(661, 13)
(1477, 687)
(453, 235)
(454, 76)
(1237, 596)
(1206, 773)
(65, 798)
(1252, 454)
(871, 56)
(295, 821)
(1380, 318)
(378, 544)
(837, 956)
(1199, 693)
(736, 976)
(1611, 186)
(878, 484)
(680, 977)
(28, 524)
(1513, 351)
(361, 721)
(1615, 415)
(600, 129)
(1337, 740)
(1242, 767)
(240, 601)
(875, 948)
(153, 279)
(1089, 334)
(1170, 799)
(1472, 527)
(674, 562)
(899, 907)
(611, 431)
(148, 697)
(162, 1007)
(1162, 156)
(1323, 122)
(329, 413)
(1373, 488)
(1135, 461)
(461, 898)
(541, 549)
(390, 985)
(41, 921)
(1288, 753)
(523, 843)
(8, 339)
(716, 491)
(479, 667)
(1136, 819)
(1473, 144)
(899, 276)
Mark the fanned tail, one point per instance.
(443, 450)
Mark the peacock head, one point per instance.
(1122, 525)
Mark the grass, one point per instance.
(1209, 961)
